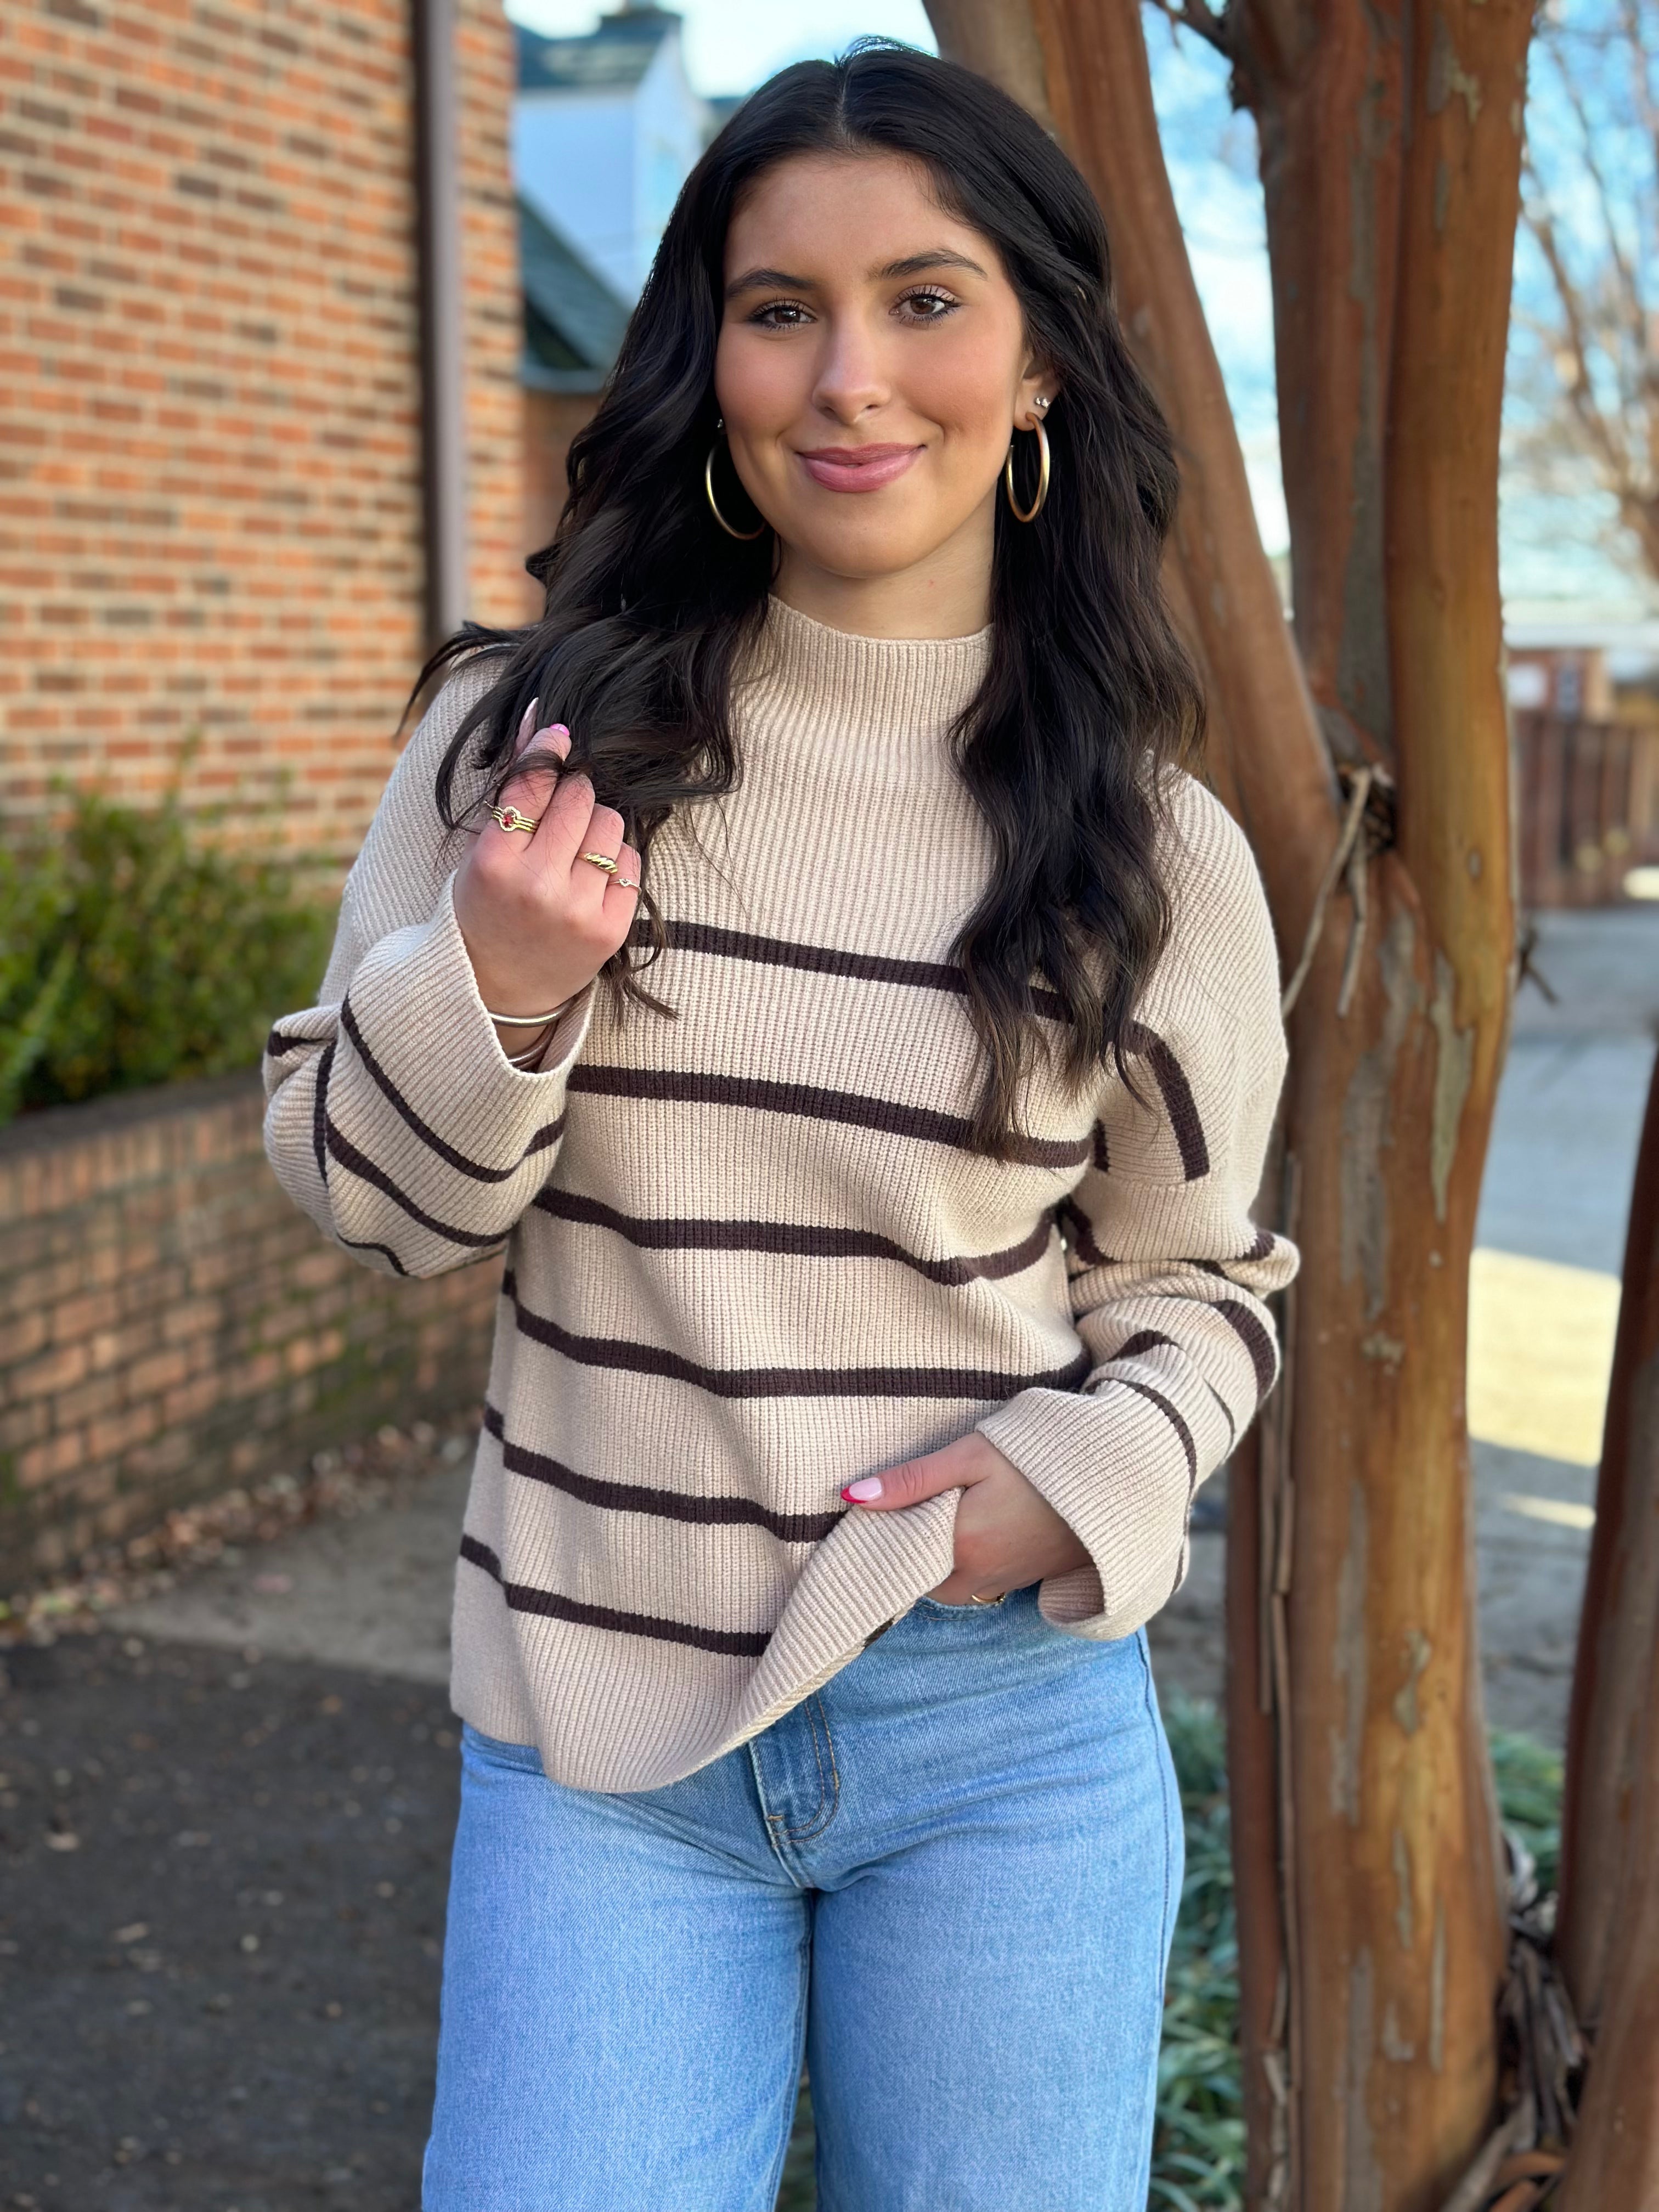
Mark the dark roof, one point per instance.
(574, 322)
(613, 57)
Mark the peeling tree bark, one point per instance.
(1372, 1939)
(1607, 1939)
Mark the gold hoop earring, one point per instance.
(743, 536)
(1031, 513)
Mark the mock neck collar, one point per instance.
(903, 692)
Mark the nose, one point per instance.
(852, 377)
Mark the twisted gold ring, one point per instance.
(510, 819)
(600, 860)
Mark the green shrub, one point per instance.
(1530, 1778)
(134, 951)
(1198, 2156)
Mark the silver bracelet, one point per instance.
(532, 1021)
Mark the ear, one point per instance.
(1037, 384)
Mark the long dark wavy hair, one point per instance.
(650, 609)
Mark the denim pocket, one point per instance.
(967, 1607)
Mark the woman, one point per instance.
(802, 953)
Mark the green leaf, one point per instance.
(136, 950)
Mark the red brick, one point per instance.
(24, 1334)
(78, 1317)
(221, 367)
(49, 1374)
(59, 1455)
(161, 1370)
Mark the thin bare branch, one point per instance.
(1605, 199)
(1197, 16)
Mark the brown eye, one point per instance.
(928, 306)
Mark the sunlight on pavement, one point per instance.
(1560, 1512)
(1541, 1351)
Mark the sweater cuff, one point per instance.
(414, 1006)
(1105, 1465)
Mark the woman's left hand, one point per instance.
(1007, 1534)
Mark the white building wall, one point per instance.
(574, 160)
(668, 134)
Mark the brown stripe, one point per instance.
(1178, 1101)
(320, 1114)
(832, 960)
(1262, 1245)
(816, 1102)
(669, 1504)
(548, 1603)
(359, 1164)
(1145, 1339)
(385, 1251)
(620, 1352)
(277, 1044)
(1156, 1398)
(548, 1134)
(1255, 1339)
(1102, 1154)
(802, 1240)
(1080, 1233)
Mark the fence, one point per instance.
(1587, 807)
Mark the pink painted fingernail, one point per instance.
(559, 736)
(862, 1493)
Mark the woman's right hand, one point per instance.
(538, 922)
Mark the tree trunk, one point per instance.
(1607, 1939)
(1366, 1803)
(1094, 88)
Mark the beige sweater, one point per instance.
(748, 1254)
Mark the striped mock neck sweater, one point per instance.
(750, 1255)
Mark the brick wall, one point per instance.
(209, 457)
(551, 420)
(170, 1324)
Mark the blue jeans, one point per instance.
(950, 1876)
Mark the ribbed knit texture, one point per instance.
(750, 1255)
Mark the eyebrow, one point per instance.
(759, 280)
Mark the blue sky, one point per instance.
(1551, 549)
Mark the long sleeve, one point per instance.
(1167, 1271)
(394, 1117)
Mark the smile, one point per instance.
(858, 468)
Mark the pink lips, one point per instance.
(858, 468)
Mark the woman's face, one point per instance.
(872, 365)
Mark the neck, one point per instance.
(948, 594)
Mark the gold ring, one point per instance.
(973, 1600)
(510, 819)
(600, 860)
